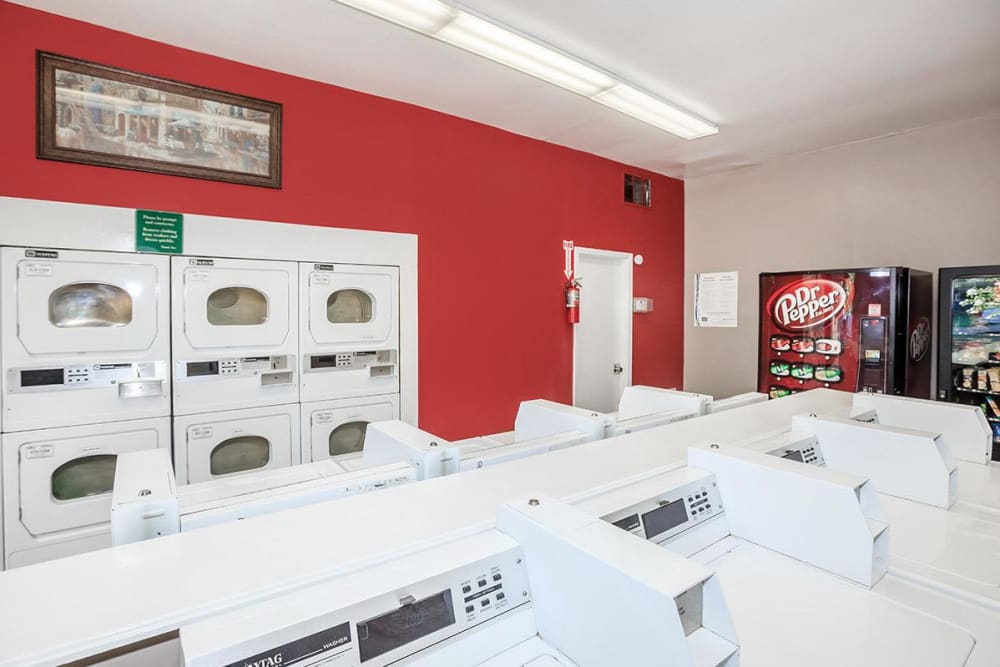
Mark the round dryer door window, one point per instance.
(349, 306)
(348, 438)
(90, 305)
(237, 306)
(240, 454)
(85, 476)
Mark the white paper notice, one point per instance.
(715, 299)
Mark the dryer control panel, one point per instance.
(667, 514)
(380, 363)
(133, 379)
(273, 370)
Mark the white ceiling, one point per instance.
(778, 76)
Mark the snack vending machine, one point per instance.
(848, 329)
(969, 341)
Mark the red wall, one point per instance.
(491, 210)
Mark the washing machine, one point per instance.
(349, 330)
(336, 429)
(57, 485)
(547, 587)
(235, 333)
(230, 442)
(803, 550)
(85, 337)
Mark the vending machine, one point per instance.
(848, 329)
(969, 341)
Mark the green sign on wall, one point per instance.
(159, 231)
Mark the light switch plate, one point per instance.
(642, 304)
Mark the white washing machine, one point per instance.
(349, 330)
(85, 337)
(235, 333)
(57, 486)
(548, 582)
(218, 444)
(336, 429)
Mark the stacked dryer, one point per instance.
(235, 343)
(349, 346)
(86, 376)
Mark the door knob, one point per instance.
(618, 369)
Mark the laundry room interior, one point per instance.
(500, 334)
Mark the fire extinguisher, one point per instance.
(573, 301)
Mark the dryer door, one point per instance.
(353, 305)
(66, 482)
(87, 302)
(337, 432)
(241, 445)
(240, 305)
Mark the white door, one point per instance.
(352, 305)
(239, 441)
(234, 304)
(602, 340)
(337, 429)
(57, 486)
(85, 302)
(66, 482)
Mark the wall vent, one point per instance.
(637, 190)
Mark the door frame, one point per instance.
(626, 315)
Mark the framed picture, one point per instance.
(95, 114)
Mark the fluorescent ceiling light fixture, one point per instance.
(507, 48)
(657, 112)
(426, 16)
(485, 38)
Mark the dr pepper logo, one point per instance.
(807, 303)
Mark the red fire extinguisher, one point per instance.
(573, 301)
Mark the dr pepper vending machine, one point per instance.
(847, 329)
(969, 341)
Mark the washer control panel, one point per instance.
(145, 378)
(484, 594)
(667, 514)
(406, 617)
(805, 453)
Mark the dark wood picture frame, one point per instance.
(185, 130)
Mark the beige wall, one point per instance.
(925, 199)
